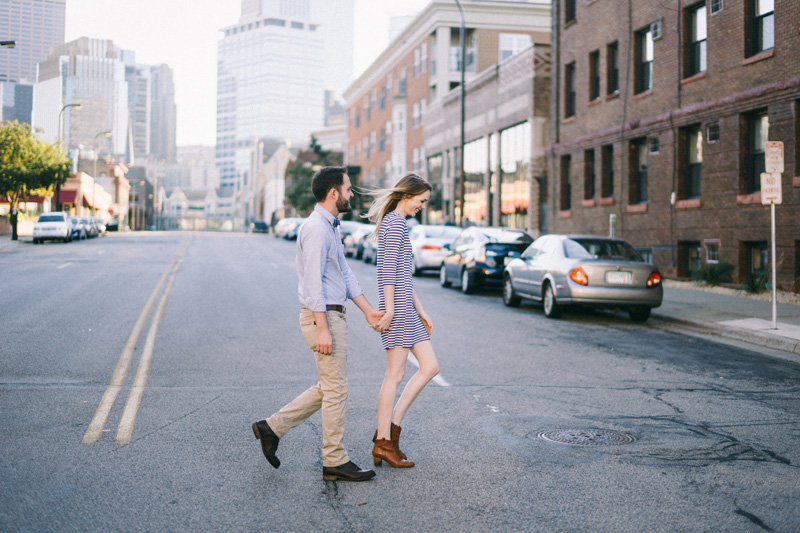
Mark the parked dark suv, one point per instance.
(478, 255)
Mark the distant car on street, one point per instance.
(100, 224)
(287, 227)
(259, 226)
(354, 241)
(369, 254)
(91, 227)
(583, 270)
(78, 230)
(427, 245)
(477, 256)
(53, 226)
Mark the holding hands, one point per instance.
(384, 324)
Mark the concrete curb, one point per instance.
(758, 338)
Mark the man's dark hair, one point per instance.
(326, 179)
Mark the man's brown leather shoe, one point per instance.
(346, 472)
(269, 441)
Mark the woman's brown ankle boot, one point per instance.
(395, 436)
(386, 450)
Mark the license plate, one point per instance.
(619, 278)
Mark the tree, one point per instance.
(28, 166)
(299, 175)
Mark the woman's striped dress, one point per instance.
(394, 268)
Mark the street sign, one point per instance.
(773, 152)
(771, 192)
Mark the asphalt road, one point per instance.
(716, 425)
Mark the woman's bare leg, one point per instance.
(428, 368)
(395, 369)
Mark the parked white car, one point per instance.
(427, 245)
(54, 226)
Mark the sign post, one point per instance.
(772, 194)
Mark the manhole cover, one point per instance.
(587, 437)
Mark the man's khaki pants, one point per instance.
(330, 393)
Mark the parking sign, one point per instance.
(771, 192)
(773, 152)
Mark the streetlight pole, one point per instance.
(94, 175)
(60, 152)
(462, 185)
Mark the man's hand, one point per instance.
(324, 341)
(373, 316)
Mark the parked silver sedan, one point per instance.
(585, 270)
(427, 245)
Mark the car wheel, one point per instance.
(35, 241)
(639, 314)
(510, 297)
(467, 283)
(551, 307)
(443, 281)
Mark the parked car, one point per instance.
(287, 227)
(78, 230)
(370, 252)
(354, 242)
(91, 228)
(477, 256)
(586, 270)
(113, 225)
(53, 226)
(427, 245)
(259, 226)
(347, 227)
(100, 224)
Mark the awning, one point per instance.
(70, 197)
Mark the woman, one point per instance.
(405, 326)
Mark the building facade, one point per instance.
(388, 104)
(659, 115)
(163, 114)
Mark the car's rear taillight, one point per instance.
(654, 280)
(428, 247)
(578, 275)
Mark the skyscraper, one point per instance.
(36, 26)
(163, 113)
(89, 72)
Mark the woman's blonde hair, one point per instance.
(386, 200)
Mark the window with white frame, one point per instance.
(712, 251)
(423, 60)
(415, 159)
(416, 62)
(423, 104)
(415, 115)
(513, 43)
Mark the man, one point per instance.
(326, 283)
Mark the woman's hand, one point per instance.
(384, 323)
(427, 322)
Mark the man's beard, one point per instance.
(343, 205)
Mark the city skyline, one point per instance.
(192, 52)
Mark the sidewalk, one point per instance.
(727, 314)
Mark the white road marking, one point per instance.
(438, 379)
(95, 430)
(64, 265)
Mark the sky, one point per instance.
(184, 35)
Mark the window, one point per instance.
(762, 26)
(696, 36)
(689, 258)
(594, 75)
(612, 71)
(644, 60)
(566, 187)
(756, 258)
(712, 252)
(757, 135)
(693, 171)
(639, 172)
(416, 63)
(382, 102)
(712, 133)
(402, 88)
(607, 170)
(569, 90)
(653, 144)
(588, 176)
(569, 10)
(717, 6)
(423, 65)
(415, 115)
(513, 43)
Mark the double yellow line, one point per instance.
(125, 428)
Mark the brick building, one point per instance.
(387, 105)
(659, 114)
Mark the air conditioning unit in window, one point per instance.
(657, 29)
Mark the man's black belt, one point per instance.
(339, 308)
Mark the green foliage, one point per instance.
(28, 165)
(299, 193)
(756, 283)
(715, 273)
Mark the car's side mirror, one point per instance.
(446, 246)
